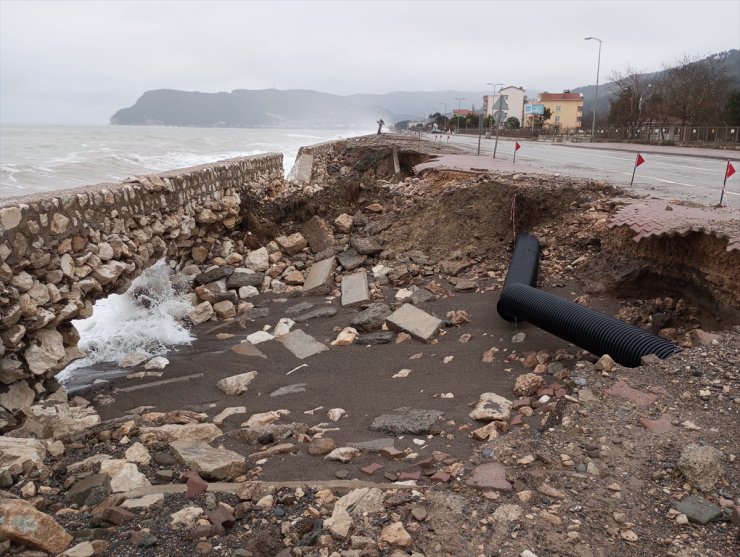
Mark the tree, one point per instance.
(512, 122)
(697, 89)
(632, 91)
(732, 110)
(539, 119)
(380, 125)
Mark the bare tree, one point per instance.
(632, 89)
(697, 89)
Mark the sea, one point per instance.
(37, 159)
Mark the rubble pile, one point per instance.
(357, 395)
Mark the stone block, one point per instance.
(320, 277)
(212, 463)
(355, 290)
(318, 234)
(301, 345)
(414, 321)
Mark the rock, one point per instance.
(702, 465)
(346, 337)
(23, 524)
(221, 417)
(316, 313)
(82, 489)
(379, 337)
(490, 476)
(242, 278)
(343, 454)
(176, 432)
(201, 313)
(702, 338)
(320, 277)
(699, 510)
(186, 517)
(321, 446)
(318, 234)
(343, 223)
(158, 362)
(83, 549)
(396, 535)
(518, 338)
(292, 244)
(290, 390)
(335, 414)
(418, 323)
(406, 420)
(144, 502)
(258, 260)
(355, 290)
(45, 351)
(298, 309)
(350, 259)
(138, 454)
(124, 476)
(528, 384)
(18, 396)
(366, 246)
(133, 359)
(492, 407)
(236, 384)
(605, 363)
(301, 345)
(372, 318)
(485, 433)
(639, 398)
(211, 463)
(212, 275)
(225, 309)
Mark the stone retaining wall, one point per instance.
(61, 251)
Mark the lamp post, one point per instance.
(491, 103)
(444, 117)
(596, 96)
(458, 99)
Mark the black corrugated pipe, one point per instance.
(524, 264)
(593, 331)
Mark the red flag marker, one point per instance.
(729, 171)
(516, 148)
(638, 161)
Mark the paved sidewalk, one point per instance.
(721, 154)
(473, 163)
(657, 218)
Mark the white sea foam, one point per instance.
(147, 318)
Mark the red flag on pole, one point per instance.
(639, 160)
(517, 147)
(730, 169)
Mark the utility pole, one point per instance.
(459, 99)
(444, 118)
(596, 96)
(498, 124)
(490, 104)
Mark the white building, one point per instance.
(514, 99)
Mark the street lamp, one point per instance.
(444, 117)
(458, 99)
(596, 97)
(494, 94)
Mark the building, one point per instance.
(461, 112)
(514, 99)
(566, 110)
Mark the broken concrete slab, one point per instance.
(247, 349)
(355, 290)
(301, 344)
(414, 321)
(236, 384)
(327, 311)
(366, 246)
(406, 420)
(318, 234)
(350, 259)
(698, 509)
(372, 318)
(212, 463)
(490, 476)
(320, 277)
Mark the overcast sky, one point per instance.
(78, 62)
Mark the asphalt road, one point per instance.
(669, 176)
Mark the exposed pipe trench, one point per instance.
(586, 328)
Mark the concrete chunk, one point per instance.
(418, 323)
(354, 289)
(301, 345)
(320, 277)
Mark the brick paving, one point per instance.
(657, 218)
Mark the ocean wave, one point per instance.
(147, 318)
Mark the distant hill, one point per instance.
(296, 108)
(299, 108)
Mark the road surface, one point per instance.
(669, 176)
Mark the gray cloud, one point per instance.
(77, 62)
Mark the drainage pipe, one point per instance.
(524, 265)
(593, 331)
